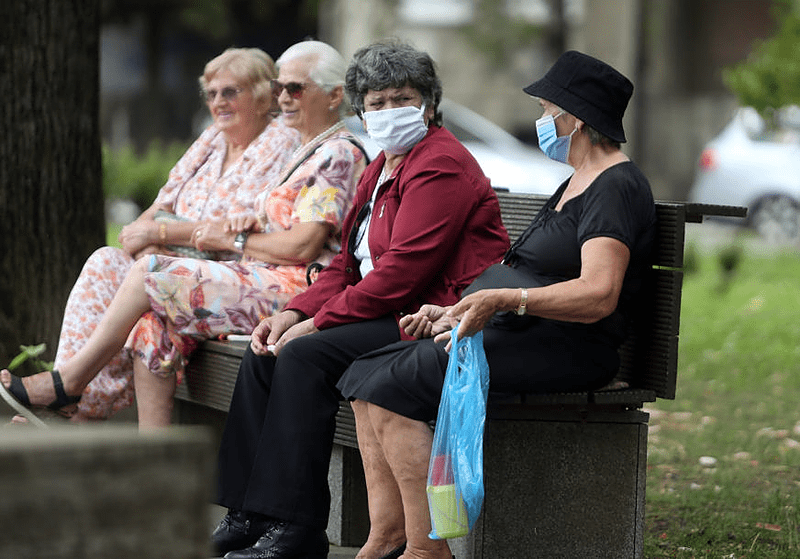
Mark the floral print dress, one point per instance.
(195, 190)
(196, 299)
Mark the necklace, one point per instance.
(318, 138)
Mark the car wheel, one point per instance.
(777, 219)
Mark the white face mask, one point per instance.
(398, 130)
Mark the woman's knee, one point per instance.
(256, 368)
(305, 354)
(108, 256)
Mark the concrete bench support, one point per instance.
(559, 483)
(562, 486)
(104, 492)
(348, 522)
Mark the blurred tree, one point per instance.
(517, 33)
(770, 77)
(199, 29)
(51, 204)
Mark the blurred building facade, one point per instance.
(673, 50)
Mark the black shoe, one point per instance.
(238, 530)
(285, 540)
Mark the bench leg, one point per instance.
(561, 489)
(348, 522)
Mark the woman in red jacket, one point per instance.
(424, 224)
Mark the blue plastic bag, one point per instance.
(455, 472)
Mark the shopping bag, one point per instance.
(455, 472)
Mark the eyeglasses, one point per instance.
(228, 94)
(294, 89)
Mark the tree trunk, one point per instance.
(51, 201)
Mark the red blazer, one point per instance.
(435, 226)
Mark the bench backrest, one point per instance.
(649, 357)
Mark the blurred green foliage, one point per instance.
(499, 47)
(770, 77)
(138, 177)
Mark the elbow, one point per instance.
(306, 245)
(304, 253)
(604, 305)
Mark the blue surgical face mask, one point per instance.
(554, 146)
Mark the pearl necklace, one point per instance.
(318, 138)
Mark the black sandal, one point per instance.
(62, 399)
(17, 397)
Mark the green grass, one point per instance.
(112, 234)
(738, 401)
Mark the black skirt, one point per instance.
(546, 357)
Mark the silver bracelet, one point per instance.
(523, 303)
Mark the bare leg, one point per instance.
(407, 448)
(386, 520)
(108, 338)
(154, 396)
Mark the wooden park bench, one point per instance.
(564, 474)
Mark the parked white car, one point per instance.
(753, 165)
(509, 163)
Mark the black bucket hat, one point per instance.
(589, 89)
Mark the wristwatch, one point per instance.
(239, 241)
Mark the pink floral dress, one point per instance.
(195, 190)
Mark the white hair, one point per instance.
(327, 67)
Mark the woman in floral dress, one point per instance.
(166, 304)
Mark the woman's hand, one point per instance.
(213, 235)
(302, 328)
(138, 235)
(474, 311)
(240, 224)
(428, 321)
(267, 334)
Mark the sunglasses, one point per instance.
(228, 94)
(294, 89)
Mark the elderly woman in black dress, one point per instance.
(553, 315)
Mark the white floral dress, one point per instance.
(195, 190)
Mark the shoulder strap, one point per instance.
(358, 144)
(296, 165)
(313, 151)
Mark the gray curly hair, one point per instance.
(393, 64)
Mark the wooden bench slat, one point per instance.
(211, 374)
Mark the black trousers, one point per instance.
(277, 442)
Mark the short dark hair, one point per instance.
(393, 64)
(597, 138)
